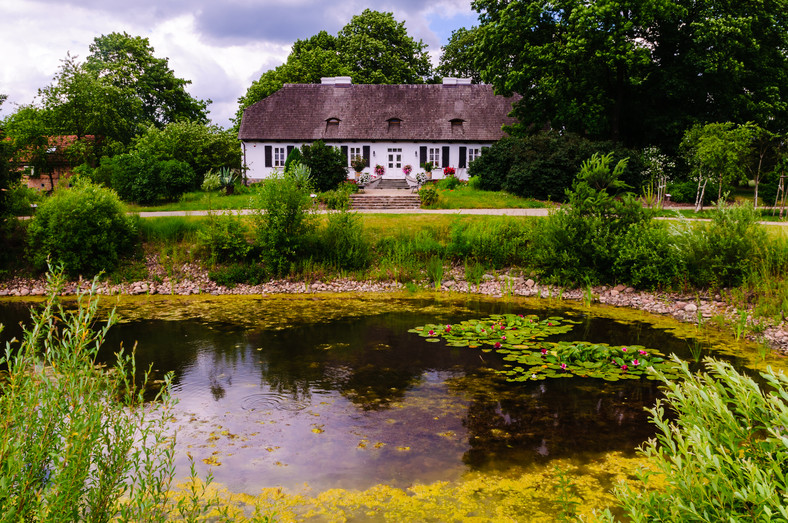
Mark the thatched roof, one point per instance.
(305, 112)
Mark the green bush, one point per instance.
(428, 196)
(224, 238)
(294, 158)
(543, 165)
(722, 253)
(344, 243)
(449, 183)
(686, 192)
(284, 222)
(144, 180)
(70, 444)
(84, 228)
(327, 164)
(235, 273)
(719, 453)
(645, 257)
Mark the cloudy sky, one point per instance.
(221, 46)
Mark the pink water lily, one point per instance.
(624, 349)
(431, 333)
(642, 352)
(544, 351)
(624, 367)
(503, 338)
(635, 363)
(497, 344)
(563, 366)
(448, 328)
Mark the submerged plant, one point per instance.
(520, 339)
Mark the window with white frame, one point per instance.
(356, 152)
(395, 158)
(280, 155)
(473, 153)
(434, 156)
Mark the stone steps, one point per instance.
(364, 201)
(393, 183)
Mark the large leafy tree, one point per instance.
(637, 71)
(150, 89)
(458, 56)
(372, 48)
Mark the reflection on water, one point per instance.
(354, 400)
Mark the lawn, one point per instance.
(465, 197)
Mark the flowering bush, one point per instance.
(407, 170)
(421, 178)
(358, 163)
(379, 170)
(449, 171)
(364, 178)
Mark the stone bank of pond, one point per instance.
(321, 392)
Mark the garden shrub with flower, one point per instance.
(380, 170)
(520, 339)
(407, 170)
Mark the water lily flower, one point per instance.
(497, 344)
(544, 351)
(448, 328)
(624, 349)
(642, 352)
(431, 333)
(503, 338)
(549, 324)
(635, 363)
(563, 366)
(624, 367)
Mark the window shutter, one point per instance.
(422, 155)
(344, 153)
(366, 155)
(463, 157)
(269, 156)
(290, 149)
(445, 155)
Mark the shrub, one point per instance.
(428, 196)
(144, 180)
(645, 257)
(720, 453)
(724, 252)
(79, 443)
(224, 238)
(327, 164)
(449, 183)
(498, 241)
(235, 273)
(283, 222)
(293, 158)
(685, 192)
(344, 243)
(85, 228)
(543, 165)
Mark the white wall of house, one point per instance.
(393, 156)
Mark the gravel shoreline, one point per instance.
(193, 279)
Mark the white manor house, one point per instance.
(388, 125)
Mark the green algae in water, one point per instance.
(518, 338)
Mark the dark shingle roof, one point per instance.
(299, 112)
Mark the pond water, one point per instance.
(334, 392)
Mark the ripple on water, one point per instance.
(273, 401)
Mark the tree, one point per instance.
(148, 92)
(761, 154)
(716, 150)
(28, 130)
(372, 48)
(458, 56)
(640, 72)
(377, 50)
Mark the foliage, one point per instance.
(234, 273)
(358, 163)
(543, 165)
(428, 195)
(647, 258)
(339, 198)
(344, 244)
(283, 221)
(518, 339)
(145, 180)
(148, 92)
(327, 165)
(79, 442)
(85, 228)
(373, 48)
(497, 242)
(641, 73)
(203, 147)
(458, 56)
(719, 450)
(224, 238)
(582, 243)
(716, 151)
(724, 252)
(293, 158)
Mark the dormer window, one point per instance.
(394, 123)
(456, 124)
(332, 123)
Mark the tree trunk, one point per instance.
(699, 195)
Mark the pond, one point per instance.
(333, 392)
